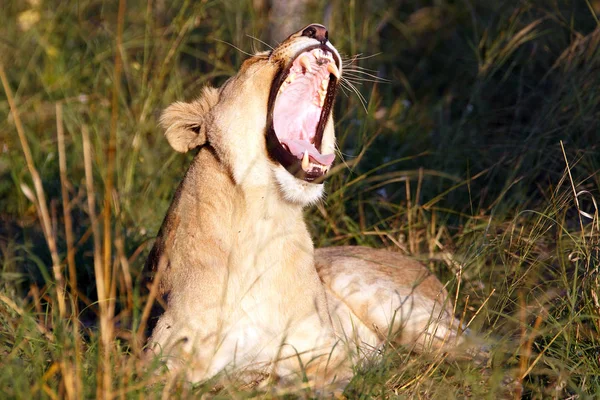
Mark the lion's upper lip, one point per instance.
(299, 106)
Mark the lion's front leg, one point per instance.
(313, 357)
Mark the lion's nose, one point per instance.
(316, 31)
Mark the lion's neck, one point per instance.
(248, 227)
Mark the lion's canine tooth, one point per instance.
(305, 62)
(305, 161)
(333, 69)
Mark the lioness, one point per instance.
(234, 262)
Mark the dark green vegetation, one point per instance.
(480, 157)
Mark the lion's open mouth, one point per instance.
(300, 102)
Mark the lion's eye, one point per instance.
(310, 32)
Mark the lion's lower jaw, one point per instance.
(295, 190)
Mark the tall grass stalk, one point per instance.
(71, 372)
(40, 198)
(475, 152)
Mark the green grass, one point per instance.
(480, 156)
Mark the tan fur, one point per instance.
(375, 294)
(236, 265)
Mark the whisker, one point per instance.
(235, 47)
(358, 68)
(359, 82)
(341, 155)
(365, 77)
(357, 73)
(345, 87)
(260, 41)
(353, 88)
(359, 56)
(359, 79)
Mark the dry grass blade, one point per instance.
(91, 201)
(41, 206)
(146, 108)
(574, 192)
(126, 271)
(480, 308)
(70, 371)
(50, 372)
(498, 52)
(64, 183)
(541, 353)
(582, 49)
(40, 327)
(107, 312)
(152, 297)
(477, 99)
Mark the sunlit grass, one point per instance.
(457, 161)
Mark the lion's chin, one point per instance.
(295, 190)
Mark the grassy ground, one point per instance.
(480, 157)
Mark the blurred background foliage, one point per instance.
(454, 156)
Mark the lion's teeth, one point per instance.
(305, 62)
(322, 95)
(313, 166)
(324, 84)
(333, 69)
(305, 161)
(291, 78)
(282, 87)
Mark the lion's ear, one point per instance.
(185, 123)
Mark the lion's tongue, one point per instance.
(298, 146)
(295, 119)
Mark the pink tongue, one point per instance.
(298, 146)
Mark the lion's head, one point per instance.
(272, 121)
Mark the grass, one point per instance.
(479, 157)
